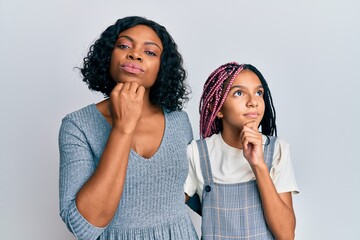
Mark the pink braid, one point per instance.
(214, 95)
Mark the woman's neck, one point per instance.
(148, 109)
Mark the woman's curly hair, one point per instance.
(170, 89)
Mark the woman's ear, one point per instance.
(219, 115)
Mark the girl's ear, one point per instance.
(219, 115)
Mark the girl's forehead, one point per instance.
(247, 77)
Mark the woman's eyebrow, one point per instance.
(127, 37)
(146, 43)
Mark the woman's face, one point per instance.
(245, 102)
(136, 56)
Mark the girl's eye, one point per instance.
(259, 93)
(150, 53)
(238, 93)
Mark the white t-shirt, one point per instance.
(228, 165)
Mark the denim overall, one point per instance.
(232, 211)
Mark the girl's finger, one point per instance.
(252, 125)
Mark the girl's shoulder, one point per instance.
(213, 140)
(279, 142)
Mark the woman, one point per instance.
(123, 161)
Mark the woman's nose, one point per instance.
(134, 56)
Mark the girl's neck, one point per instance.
(231, 138)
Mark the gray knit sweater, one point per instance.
(152, 204)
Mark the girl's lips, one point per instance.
(251, 115)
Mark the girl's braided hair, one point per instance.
(216, 89)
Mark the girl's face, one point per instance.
(244, 104)
(136, 56)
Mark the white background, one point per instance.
(307, 50)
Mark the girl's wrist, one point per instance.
(259, 168)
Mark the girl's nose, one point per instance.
(252, 102)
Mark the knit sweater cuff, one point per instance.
(80, 227)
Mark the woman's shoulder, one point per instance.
(178, 118)
(178, 123)
(176, 113)
(80, 113)
(84, 118)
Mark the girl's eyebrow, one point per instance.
(146, 43)
(241, 86)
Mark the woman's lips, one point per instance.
(132, 68)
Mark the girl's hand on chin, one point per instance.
(251, 140)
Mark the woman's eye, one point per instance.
(123, 46)
(238, 93)
(150, 53)
(259, 93)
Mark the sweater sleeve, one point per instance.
(190, 183)
(76, 167)
(187, 128)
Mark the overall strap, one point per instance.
(204, 161)
(269, 150)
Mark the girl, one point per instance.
(245, 177)
(123, 160)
